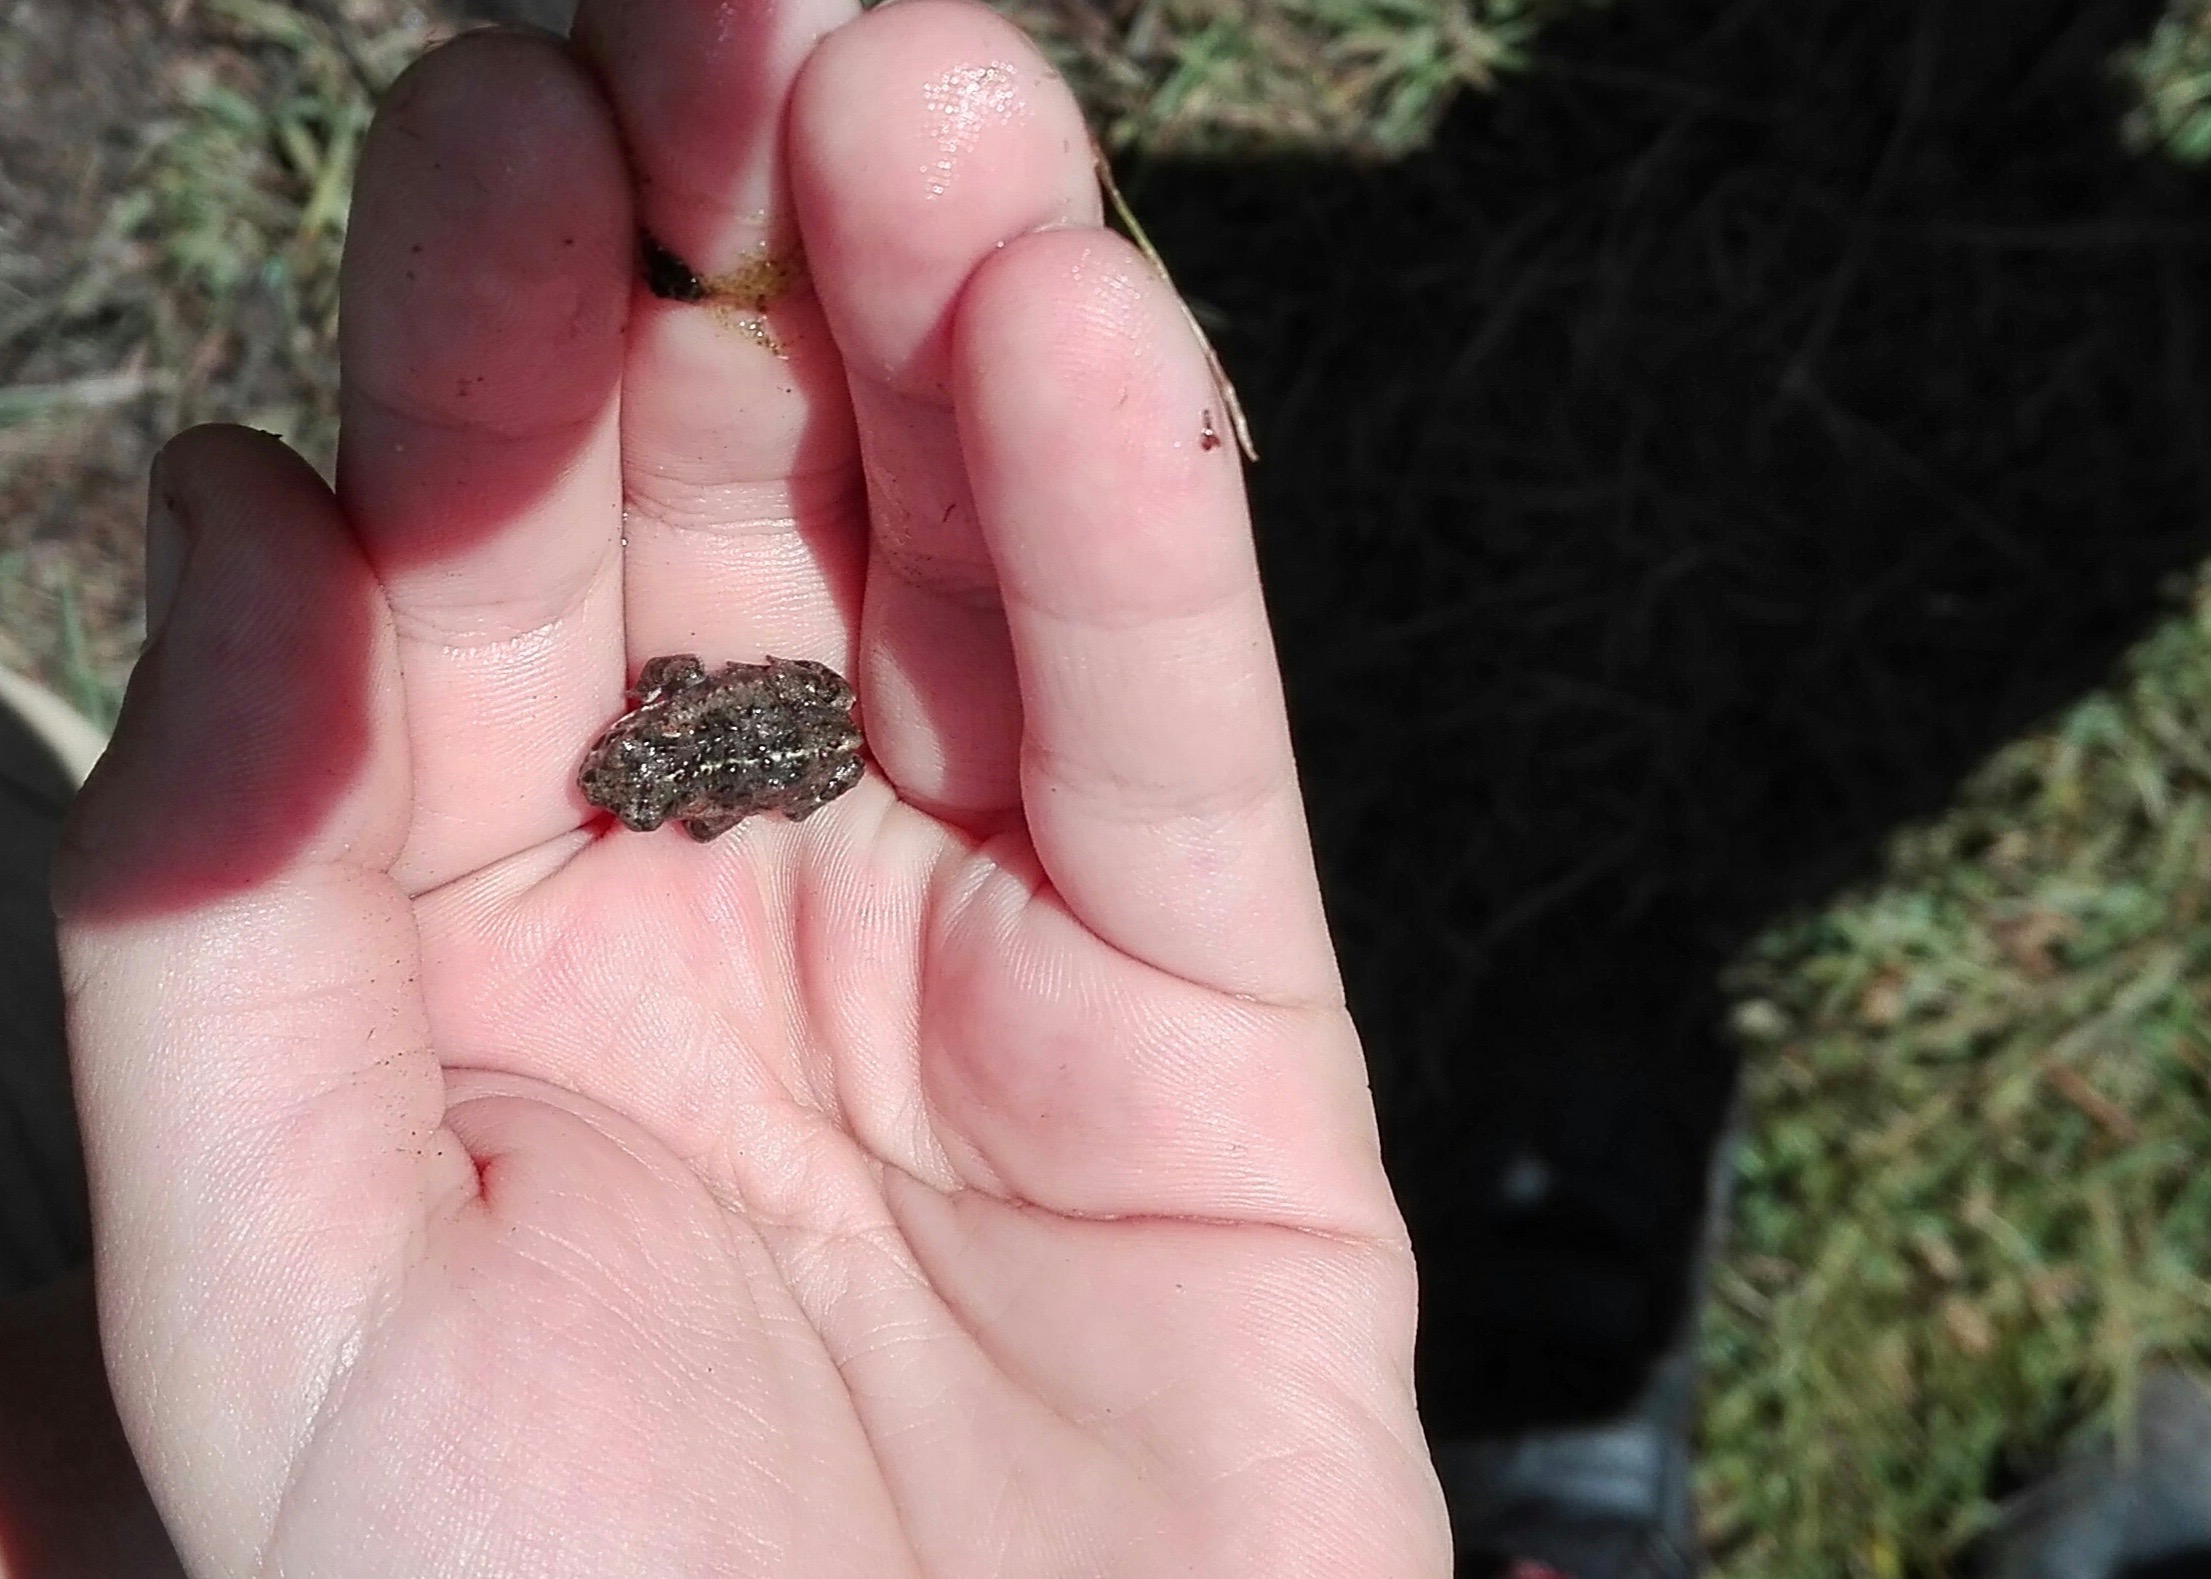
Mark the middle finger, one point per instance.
(745, 530)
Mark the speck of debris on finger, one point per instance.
(739, 297)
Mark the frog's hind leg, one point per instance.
(841, 778)
(711, 824)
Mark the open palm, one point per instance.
(975, 1179)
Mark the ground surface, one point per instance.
(71, 458)
(1972, 1210)
(1695, 458)
(1701, 456)
(172, 183)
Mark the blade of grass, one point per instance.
(1135, 230)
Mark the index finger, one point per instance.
(486, 294)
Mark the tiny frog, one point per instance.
(711, 749)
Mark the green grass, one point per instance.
(202, 285)
(47, 593)
(2170, 75)
(1366, 78)
(243, 202)
(1973, 1202)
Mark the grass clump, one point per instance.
(244, 200)
(1972, 1203)
(171, 221)
(2170, 77)
(1364, 78)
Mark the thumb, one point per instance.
(261, 728)
(260, 1103)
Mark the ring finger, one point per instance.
(925, 137)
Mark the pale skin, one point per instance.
(979, 1179)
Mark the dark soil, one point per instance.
(73, 91)
(103, 351)
(1694, 463)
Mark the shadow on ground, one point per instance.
(1677, 477)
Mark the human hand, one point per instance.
(979, 1178)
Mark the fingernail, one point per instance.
(168, 543)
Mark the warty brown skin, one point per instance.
(709, 749)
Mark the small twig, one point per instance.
(1127, 217)
(2107, 1115)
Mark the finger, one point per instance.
(261, 1105)
(486, 286)
(1157, 776)
(924, 137)
(745, 530)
